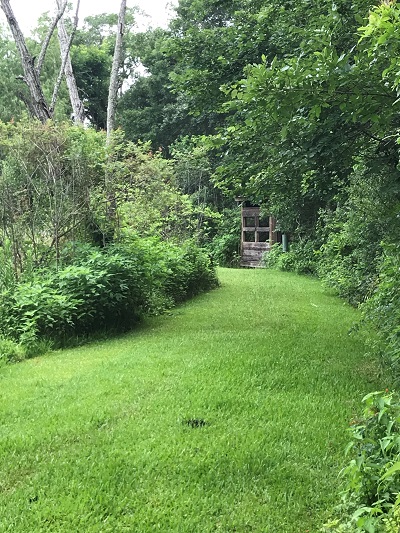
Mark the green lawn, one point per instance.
(229, 414)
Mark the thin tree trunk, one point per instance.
(66, 68)
(31, 78)
(46, 42)
(113, 90)
(111, 203)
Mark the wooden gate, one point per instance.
(258, 235)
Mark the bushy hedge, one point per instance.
(101, 290)
(382, 309)
(301, 258)
(348, 260)
(188, 273)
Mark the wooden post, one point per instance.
(272, 231)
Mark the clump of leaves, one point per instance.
(371, 500)
(382, 310)
(301, 258)
(104, 290)
(10, 351)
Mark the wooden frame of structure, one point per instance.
(258, 235)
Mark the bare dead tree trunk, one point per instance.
(31, 77)
(113, 90)
(66, 68)
(37, 104)
(46, 42)
(111, 203)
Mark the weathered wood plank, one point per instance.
(253, 254)
(256, 246)
(250, 211)
(251, 264)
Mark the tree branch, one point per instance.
(46, 42)
(38, 103)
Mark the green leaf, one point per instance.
(392, 470)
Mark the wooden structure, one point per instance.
(258, 235)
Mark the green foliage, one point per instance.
(92, 67)
(57, 184)
(189, 272)
(150, 110)
(146, 198)
(352, 234)
(47, 174)
(299, 120)
(193, 166)
(392, 522)
(348, 258)
(225, 249)
(372, 476)
(213, 41)
(218, 225)
(300, 258)
(224, 246)
(103, 290)
(380, 35)
(382, 309)
(10, 69)
(10, 351)
(346, 266)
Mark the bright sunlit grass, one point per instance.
(228, 415)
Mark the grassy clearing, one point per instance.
(228, 415)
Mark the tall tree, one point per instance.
(66, 68)
(149, 110)
(114, 78)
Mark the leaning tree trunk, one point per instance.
(113, 90)
(66, 68)
(38, 103)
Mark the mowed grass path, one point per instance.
(99, 439)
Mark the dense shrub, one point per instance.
(372, 476)
(103, 290)
(382, 309)
(301, 258)
(10, 351)
(224, 246)
(348, 260)
(189, 272)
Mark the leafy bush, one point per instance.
(347, 262)
(224, 247)
(225, 250)
(372, 477)
(301, 258)
(190, 272)
(382, 309)
(365, 215)
(392, 521)
(10, 351)
(102, 290)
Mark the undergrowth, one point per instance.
(99, 290)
